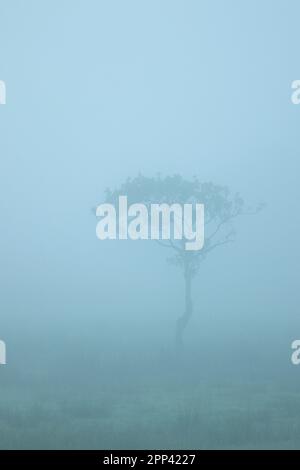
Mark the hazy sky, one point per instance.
(98, 91)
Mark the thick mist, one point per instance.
(101, 91)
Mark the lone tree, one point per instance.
(221, 208)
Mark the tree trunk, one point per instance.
(184, 319)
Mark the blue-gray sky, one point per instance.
(98, 91)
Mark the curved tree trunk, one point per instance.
(184, 319)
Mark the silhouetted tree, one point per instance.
(221, 208)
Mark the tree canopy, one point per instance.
(221, 208)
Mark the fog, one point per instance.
(97, 92)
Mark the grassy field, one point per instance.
(171, 415)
